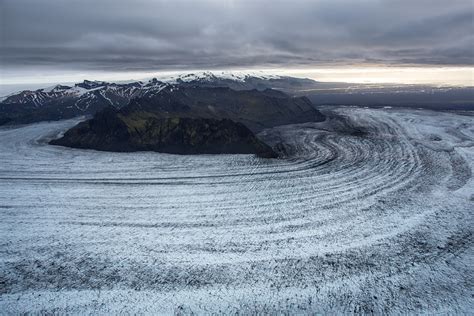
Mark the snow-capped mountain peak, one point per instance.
(89, 94)
(213, 76)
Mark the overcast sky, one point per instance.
(88, 36)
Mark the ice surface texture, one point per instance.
(371, 211)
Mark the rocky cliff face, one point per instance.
(144, 131)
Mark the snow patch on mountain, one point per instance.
(83, 94)
(128, 89)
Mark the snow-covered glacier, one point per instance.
(370, 211)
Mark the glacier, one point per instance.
(370, 211)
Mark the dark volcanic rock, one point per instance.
(143, 131)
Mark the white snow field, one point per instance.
(371, 212)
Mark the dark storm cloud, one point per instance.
(145, 35)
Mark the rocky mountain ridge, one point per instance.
(88, 97)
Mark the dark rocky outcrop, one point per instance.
(110, 130)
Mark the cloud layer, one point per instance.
(146, 35)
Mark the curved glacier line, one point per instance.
(370, 211)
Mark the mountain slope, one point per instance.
(61, 102)
(256, 109)
(88, 97)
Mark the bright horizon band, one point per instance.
(430, 75)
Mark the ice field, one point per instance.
(370, 211)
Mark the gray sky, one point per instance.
(89, 36)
